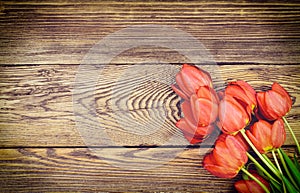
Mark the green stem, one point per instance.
(286, 169)
(293, 134)
(268, 160)
(275, 171)
(256, 180)
(276, 161)
(279, 168)
(261, 168)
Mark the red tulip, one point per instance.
(275, 103)
(232, 115)
(189, 126)
(250, 186)
(204, 106)
(189, 79)
(266, 136)
(243, 93)
(227, 158)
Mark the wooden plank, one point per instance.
(37, 109)
(52, 32)
(78, 170)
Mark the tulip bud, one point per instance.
(250, 186)
(232, 115)
(189, 79)
(275, 103)
(227, 158)
(243, 93)
(266, 136)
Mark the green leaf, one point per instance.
(296, 162)
(293, 169)
(290, 187)
(274, 190)
(245, 176)
(276, 187)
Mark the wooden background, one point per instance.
(42, 45)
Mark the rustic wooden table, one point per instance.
(42, 45)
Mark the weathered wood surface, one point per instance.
(37, 108)
(77, 170)
(50, 32)
(42, 45)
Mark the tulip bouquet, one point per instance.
(247, 119)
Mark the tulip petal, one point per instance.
(247, 87)
(241, 187)
(208, 93)
(187, 112)
(185, 127)
(237, 92)
(254, 187)
(221, 171)
(226, 159)
(217, 170)
(204, 111)
(276, 104)
(192, 130)
(189, 133)
(229, 153)
(243, 92)
(179, 92)
(192, 139)
(204, 131)
(179, 81)
(262, 106)
(192, 77)
(237, 150)
(242, 141)
(182, 124)
(250, 186)
(209, 160)
(189, 118)
(190, 84)
(279, 89)
(262, 132)
(233, 117)
(205, 92)
(264, 136)
(278, 133)
(200, 76)
(222, 155)
(238, 137)
(255, 142)
(189, 126)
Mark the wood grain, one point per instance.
(43, 147)
(236, 32)
(77, 170)
(37, 109)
